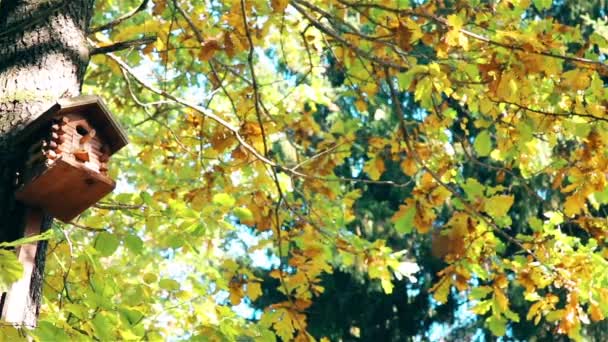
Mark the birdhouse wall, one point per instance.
(81, 143)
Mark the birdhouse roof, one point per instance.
(94, 110)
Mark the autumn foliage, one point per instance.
(258, 126)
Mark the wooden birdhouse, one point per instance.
(68, 149)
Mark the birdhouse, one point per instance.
(68, 150)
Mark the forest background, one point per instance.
(344, 169)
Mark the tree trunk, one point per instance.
(43, 57)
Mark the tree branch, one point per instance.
(544, 112)
(120, 19)
(443, 22)
(335, 35)
(203, 111)
(235, 132)
(99, 50)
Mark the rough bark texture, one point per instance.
(43, 57)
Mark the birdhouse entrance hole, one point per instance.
(80, 129)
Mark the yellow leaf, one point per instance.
(375, 167)
(533, 311)
(574, 204)
(501, 281)
(507, 87)
(498, 206)
(409, 167)
(595, 313)
(501, 299)
(200, 200)
(423, 220)
(576, 79)
(254, 290)
(482, 307)
(284, 326)
(387, 285)
(361, 105)
(454, 37)
(441, 290)
(236, 294)
(455, 21)
(103, 39)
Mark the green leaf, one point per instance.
(481, 272)
(511, 315)
(150, 278)
(47, 331)
(243, 214)
(224, 200)
(401, 4)
(146, 197)
(175, 241)
(132, 316)
(480, 292)
(406, 78)
(405, 223)
(473, 189)
(535, 223)
(10, 269)
(94, 221)
(106, 243)
(103, 327)
(497, 325)
(285, 182)
(542, 4)
(134, 243)
(483, 143)
(482, 307)
(168, 284)
(34, 238)
(555, 315)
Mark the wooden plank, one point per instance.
(65, 189)
(18, 302)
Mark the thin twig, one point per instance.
(87, 228)
(120, 19)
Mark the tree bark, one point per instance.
(43, 57)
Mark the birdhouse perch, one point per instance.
(69, 146)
